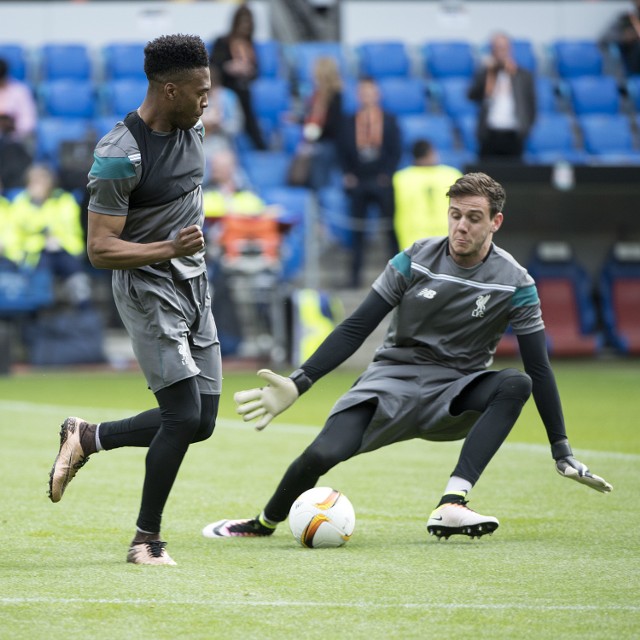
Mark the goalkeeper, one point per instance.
(451, 301)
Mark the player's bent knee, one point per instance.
(514, 384)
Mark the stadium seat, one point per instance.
(334, 215)
(632, 86)
(552, 138)
(67, 98)
(103, 124)
(271, 98)
(266, 168)
(620, 296)
(384, 59)
(123, 95)
(15, 55)
(573, 58)
(452, 95)
(65, 61)
(458, 158)
(594, 94)
(467, 126)
(269, 58)
(124, 60)
(609, 138)
(447, 59)
(524, 54)
(403, 96)
(51, 132)
(565, 291)
(436, 128)
(546, 99)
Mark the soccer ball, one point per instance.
(322, 517)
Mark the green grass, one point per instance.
(564, 563)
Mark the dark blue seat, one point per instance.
(435, 127)
(124, 60)
(51, 132)
(123, 95)
(402, 96)
(266, 168)
(384, 59)
(67, 98)
(452, 95)
(302, 58)
(573, 58)
(524, 54)
(609, 137)
(271, 98)
(546, 97)
(68, 61)
(15, 55)
(269, 59)
(448, 58)
(552, 138)
(594, 94)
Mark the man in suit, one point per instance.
(506, 94)
(369, 151)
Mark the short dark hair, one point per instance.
(421, 148)
(480, 184)
(174, 54)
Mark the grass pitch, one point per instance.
(564, 563)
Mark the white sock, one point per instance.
(98, 445)
(458, 485)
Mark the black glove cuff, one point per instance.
(302, 381)
(561, 449)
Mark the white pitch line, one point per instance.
(331, 605)
(58, 411)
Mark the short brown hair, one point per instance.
(480, 184)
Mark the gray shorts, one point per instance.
(171, 327)
(413, 401)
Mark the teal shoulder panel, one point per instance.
(112, 168)
(526, 296)
(402, 262)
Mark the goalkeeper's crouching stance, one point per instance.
(451, 300)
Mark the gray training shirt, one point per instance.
(447, 314)
(158, 187)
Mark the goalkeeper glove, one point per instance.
(568, 467)
(267, 402)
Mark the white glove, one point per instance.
(569, 467)
(266, 402)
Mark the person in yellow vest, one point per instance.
(51, 233)
(420, 196)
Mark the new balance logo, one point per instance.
(426, 293)
(481, 306)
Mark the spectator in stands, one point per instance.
(322, 121)
(420, 193)
(235, 57)
(10, 246)
(506, 94)
(624, 32)
(222, 119)
(369, 150)
(51, 233)
(17, 107)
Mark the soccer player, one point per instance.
(145, 223)
(452, 299)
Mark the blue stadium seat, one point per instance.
(290, 136)
(452, 95)
(349, 96)
(384, 59)
(123, 95)
(632, 86)
(524, 54)
(467, 125)
(436, 128)
(458, 158)
(402, 96)
(103, 124)
(271, 98)
(609, 138)
(546, 98)
(269, 59)
(552, 139)
(446, 59)
(68, 61)
(67, 98)
(15, 55)
(51, 132)
(335, 216)
(594, 94)
(266, 168)
(573, 58)
(124, 60)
